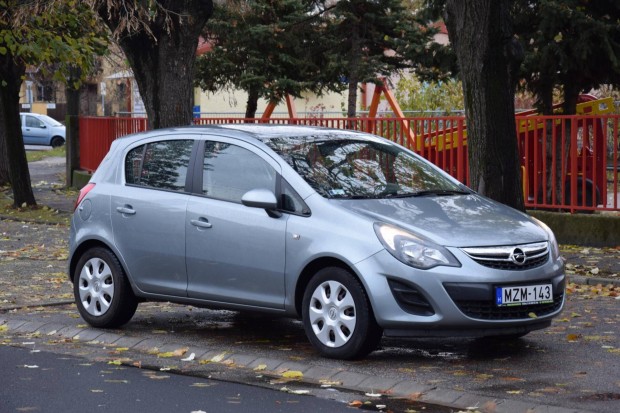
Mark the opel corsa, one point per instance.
(354, 234)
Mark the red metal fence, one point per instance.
(568, 163)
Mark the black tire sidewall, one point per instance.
(57, 142)
(123, 304)
(365, 336)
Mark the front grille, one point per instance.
(513, 257)
(487, 310)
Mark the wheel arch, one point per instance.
(85, 246)
(310, 269)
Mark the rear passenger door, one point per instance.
(148, 215)
(235, 254)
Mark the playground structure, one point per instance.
(573, 147)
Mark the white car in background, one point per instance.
(42, 130)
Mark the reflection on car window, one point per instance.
(33, 122)
(291, 201)
(342, 167)
(230, 171)
(161, 165)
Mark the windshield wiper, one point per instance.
(439, 192)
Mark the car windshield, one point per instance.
(50, 121)
(356, 168)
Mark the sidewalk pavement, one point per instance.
(40, 250)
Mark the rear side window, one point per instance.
(161, 165)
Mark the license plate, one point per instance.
(524, 295)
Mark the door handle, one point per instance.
(126, 210)
(201, 223)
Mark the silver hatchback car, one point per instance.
(354, 234)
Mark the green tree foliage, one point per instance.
(267, 48)
(270, 48)
(441, 97)
(573, 45)
(371, 38)
(53, 35)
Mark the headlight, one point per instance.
(553, 244)
(412, 249)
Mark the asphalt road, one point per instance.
(41, 381)
(575, 364)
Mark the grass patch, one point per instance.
(34, 156)
(40, 213)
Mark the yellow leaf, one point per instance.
(573, 337)
(219, 357)
(514, 391)
(176, 353)
(292, 374)
(4, 327)
(532, 315)
(115, 362)
(260, 367)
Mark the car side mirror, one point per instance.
(261, 198)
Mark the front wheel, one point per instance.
(57, 141)
(337, 316)
(102, 292)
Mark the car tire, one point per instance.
(337, 315)
(57, 141)
(102, 291)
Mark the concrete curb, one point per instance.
(579, 279)
(346, 380)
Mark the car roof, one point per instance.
(261, 132)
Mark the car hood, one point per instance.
(457, 221)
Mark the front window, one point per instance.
(350, 167)
(229, 171)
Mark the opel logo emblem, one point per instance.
(518, 256)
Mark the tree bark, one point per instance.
(481, 32)
(354, 77)
(252, 104)
(12, 151)
(163, 61)
(72, 146)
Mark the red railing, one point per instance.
(98, 133)
(585, 180)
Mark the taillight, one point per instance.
(83, 193)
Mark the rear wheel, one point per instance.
(102, 292)
(337, 316)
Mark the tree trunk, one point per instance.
(252, 104)
(14, 156)
(72, 146)
(481, 32)
(163, 62)
(354, 76)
